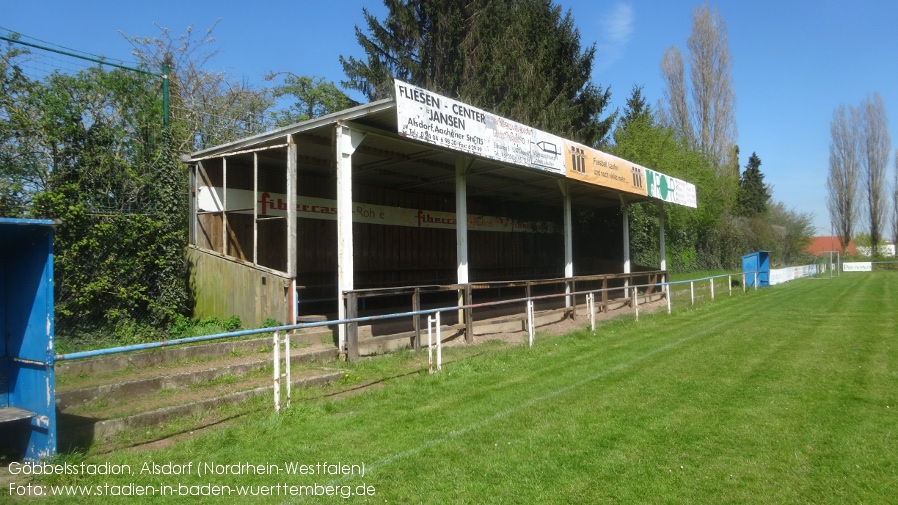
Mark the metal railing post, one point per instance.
(469, 315)
(416, 306)
(352, 328)
(605, 295)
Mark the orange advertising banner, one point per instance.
(602, 169)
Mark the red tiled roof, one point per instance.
(822, 245)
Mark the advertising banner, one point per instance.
(858, 266)
(438, 120)
(209, 199)
(441, 121)
(601, 169)
(670, 189)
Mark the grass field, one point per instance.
(784, 395)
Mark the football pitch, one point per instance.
(788, 394)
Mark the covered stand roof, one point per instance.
(389, 158)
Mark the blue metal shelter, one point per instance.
(27, 381)
(757, 262)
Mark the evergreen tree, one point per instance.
(636, 108)
(313, 97)
(521, 59)
(753, 193)
(636, 113)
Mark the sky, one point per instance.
(793, 61)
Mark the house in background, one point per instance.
(822, 245)
(887, 250)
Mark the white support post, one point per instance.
(743, 282)
(692, 291)
(347, 141)
(431, 322)
(462, 166)
(668, 299)
(530, 321)
(292, 243)
(625, 210)
(591, 305)
(256, 210)
(224, 205)
(429, 345)
(277, 369)
(193, 216)
(636, 301)
(439, 344)
(712, 287)
(730, 283)
(661, 235)
(287, 359)
(277, 373)
(568, 240)
(756, 281)
(663, 245)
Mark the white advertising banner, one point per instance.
(209, 199)
(858, 266)
(670, 189)
(781, 275)
(441, 121)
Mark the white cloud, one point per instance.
(616, 29)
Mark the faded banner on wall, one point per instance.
(210, 199)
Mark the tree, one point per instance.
(208, 108)
(107, 176)
(895, 205)
(753, 194)
(844, 172)
(636, 111)
(790, 233)
(676, 115)
(711, 123)
(519, 59)
(20, 169)
(314, 97)
(875, 154)
(699, 238)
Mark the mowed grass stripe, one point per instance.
(651, 406)
(786, 395)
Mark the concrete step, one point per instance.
(204, 407)
(189, 386)
(72, 394)
(167, 356)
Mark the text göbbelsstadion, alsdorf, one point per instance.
(192, 468)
